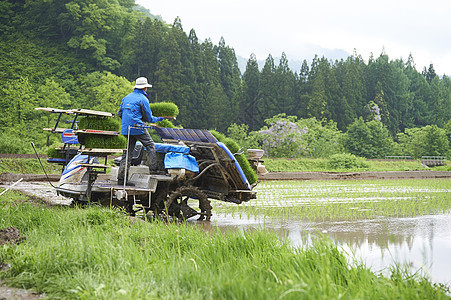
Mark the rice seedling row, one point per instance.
(328, 200)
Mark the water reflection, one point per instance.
(424, 243)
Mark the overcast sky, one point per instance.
(303, 28)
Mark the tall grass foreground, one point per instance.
(99, 253)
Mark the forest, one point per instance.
(87, 54)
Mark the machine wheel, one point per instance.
(186, 202)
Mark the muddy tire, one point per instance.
(186, 202)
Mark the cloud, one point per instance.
(299, 26)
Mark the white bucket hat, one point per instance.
(141, 83)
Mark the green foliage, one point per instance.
(13, 144)
(239, 133)
(368, 139)
(164, 109)
(429, 140)
(102, 91)
(448, 130)
(322, 138)
(347, 161)
(240, 158)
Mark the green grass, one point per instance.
(97, 253)
(323, 165)
(27, 166)
(346, 200)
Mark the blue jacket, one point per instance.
(135, 110)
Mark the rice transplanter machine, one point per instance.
(194, 167)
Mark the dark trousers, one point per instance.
(147, 142)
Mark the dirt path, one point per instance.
(9, 293)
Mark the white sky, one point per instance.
(303, 28)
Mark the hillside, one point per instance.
(70, 53)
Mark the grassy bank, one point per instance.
(97, 253)
(323, 165)
(27, 166)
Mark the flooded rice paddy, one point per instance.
(380, 222)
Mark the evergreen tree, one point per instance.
(333, 96)
(229, 75)
(267, 94)
(434, 105)
(284, 84)
(302, 91)
(395, 86)
(445, 101)
(421, 94)
(317, 105)
(429, 74)
(140, 56)
(248, 105)
(197, 105)
(213, 89)
(354, 90)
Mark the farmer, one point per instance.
(135, 111)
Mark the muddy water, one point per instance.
(424, 243)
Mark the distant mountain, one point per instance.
(296, 63)
(147, 12)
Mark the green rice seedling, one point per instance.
(101, 141)
(164, 109)
(350, 200)
(97, 253)
(115, 142)
(165, 123)
(55, 153)
(250, 174)
(99, 123)
(105, 142)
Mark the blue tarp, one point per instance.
(174, 160)
(165, 148)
